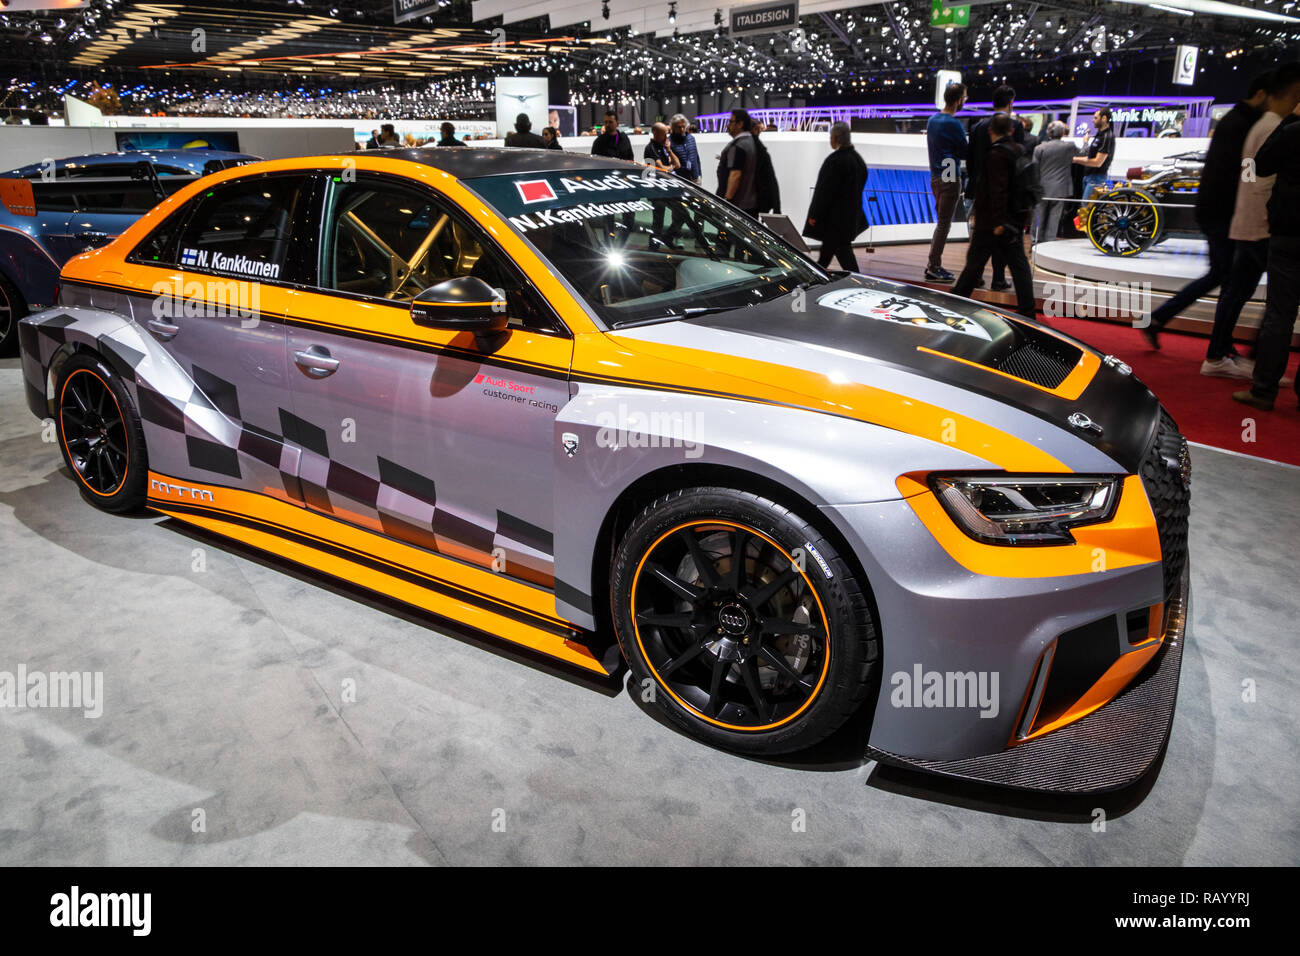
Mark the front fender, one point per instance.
(609, 437)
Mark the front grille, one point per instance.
(1165, 475)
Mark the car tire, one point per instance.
(769, 665)
(12, 308)
(100, 434)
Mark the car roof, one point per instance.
(471, 161)
(194, 159)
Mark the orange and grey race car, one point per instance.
(593, 410)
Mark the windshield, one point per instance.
(642, 247)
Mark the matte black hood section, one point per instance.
(904, 325)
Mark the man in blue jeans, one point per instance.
(945, 140)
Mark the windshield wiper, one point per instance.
(687, 313)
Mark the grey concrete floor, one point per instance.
(225, 677)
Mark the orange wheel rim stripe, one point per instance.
(636, 630)
(125, 437)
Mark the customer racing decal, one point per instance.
(887, 306)
(512, 391)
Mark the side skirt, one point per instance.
(371, 561)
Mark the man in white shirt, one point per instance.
(1249, 230)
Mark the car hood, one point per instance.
(919, 343)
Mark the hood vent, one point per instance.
(1039, 358)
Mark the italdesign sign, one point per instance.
(764, 17)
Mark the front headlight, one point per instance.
(1041, 510)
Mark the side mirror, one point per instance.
(463, 304)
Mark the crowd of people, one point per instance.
(988, 170)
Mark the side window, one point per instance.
(389, 241)
(245, 228)
(159, 247)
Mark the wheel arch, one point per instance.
(677, 477)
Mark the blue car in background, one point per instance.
(77, 204)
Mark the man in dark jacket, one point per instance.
(998, 222)
(523, 137)
(612, 141)
(448, 136)
(1004, 97)
(835, 216)
(1216, 197)
(1280, 157)
(766, 185)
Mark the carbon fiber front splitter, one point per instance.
(1107, 750)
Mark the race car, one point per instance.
(56, 209)
(600, 413)
(1155, 203)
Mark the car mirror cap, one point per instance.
(462, 304)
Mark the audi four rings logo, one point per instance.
(734, 619)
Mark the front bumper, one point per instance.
(1109, 749)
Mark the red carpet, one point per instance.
(1202, 406)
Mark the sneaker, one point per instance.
(1246, 364)
(939, 275)
(1250, 398)
(1000, 285)
(1225, 367)
(1152, 334)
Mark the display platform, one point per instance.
(1168, 266)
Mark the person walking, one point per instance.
(1216, 197)
(1055, 159)
(682, 143)
(738, 165)
(998, 223)
(1101, 151)
(1249, 230)
(1278, 157)
(835, 216)
(523, 137)
(448, 136)
(1004, 97)
(945, 141)
(612, 141)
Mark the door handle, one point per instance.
(164, 330)
(316, 361)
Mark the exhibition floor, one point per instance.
(225, 677)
